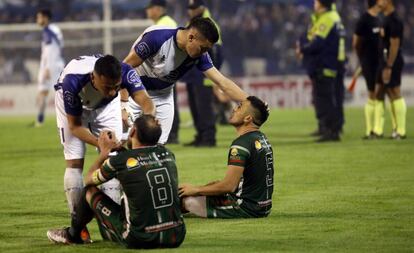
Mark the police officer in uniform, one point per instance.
(324, 56)
(200, 90)
(367, 45)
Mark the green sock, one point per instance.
(379, 117)
(391, 109)
(400, 115)
(369, 116)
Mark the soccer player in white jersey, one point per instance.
(51, 60)
(87, 102)
(162, 55)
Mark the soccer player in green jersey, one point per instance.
(151, 215)
(246, 190)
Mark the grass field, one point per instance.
(353, 196)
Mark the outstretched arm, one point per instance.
(226, 85)
(106, 143)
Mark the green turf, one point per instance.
(350, 196)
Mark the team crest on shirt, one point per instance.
(143, 49)
(70, 99)
(258, 145)
(133, 78)
(234, 152)
(131, 162)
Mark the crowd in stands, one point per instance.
(253, 29)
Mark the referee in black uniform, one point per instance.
(389, 79)
(366, 43)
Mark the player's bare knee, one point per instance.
(90, 191)
(196, 205)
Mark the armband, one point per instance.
(95, 177)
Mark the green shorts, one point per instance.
(110, 217)
(112, 225)
(225, 207)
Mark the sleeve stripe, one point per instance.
(241, 148)
(101, 177)
(108, 164)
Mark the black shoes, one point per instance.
(329, 137)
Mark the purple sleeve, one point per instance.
(130, 79)
(71, 99)
(204, 62)
(148, 45)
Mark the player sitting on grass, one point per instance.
(151, 216)
(246, 190)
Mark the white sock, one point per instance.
(196, 205)
(73, 185)
(112, 188)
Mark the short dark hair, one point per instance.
(108, 66)
(45, 12)
(148, 130)
(371, 3)
(260, 110)
(206, 27)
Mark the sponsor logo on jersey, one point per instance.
(133, 78)
(258, 145)
(131, 162)
(143, 49)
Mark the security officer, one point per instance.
(156, 11)
(200, 90)
(324, 52)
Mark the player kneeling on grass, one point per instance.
(151, 216)
(246, 190)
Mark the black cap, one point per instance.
(161, 3)
(192, 4)
(327, 3)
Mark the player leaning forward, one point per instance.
(162, 55)
(87, 102)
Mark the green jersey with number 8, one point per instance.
(149, 180)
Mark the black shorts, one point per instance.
(370, 73)
(395, 74)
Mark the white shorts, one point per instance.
(104, 118)
(164, 110)
(45, 85)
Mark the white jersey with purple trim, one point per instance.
(51, 55)
(164, 63)
(78, 91)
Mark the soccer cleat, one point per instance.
(85, 236)
(61, 236)
(398, 137)
(371, 136)
(394, 134)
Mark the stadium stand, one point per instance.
(262, 31)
